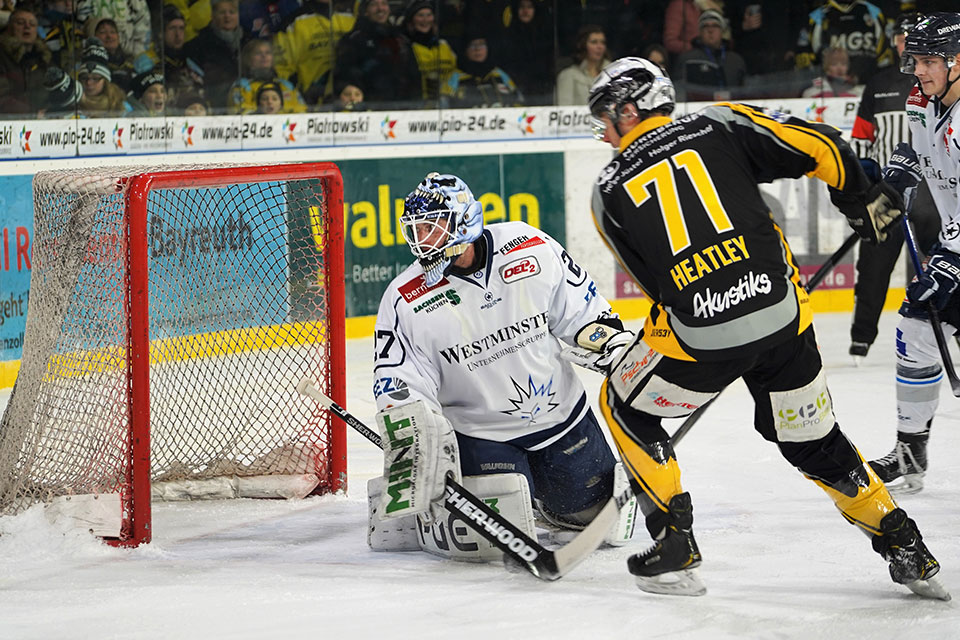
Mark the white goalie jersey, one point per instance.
(483, 348)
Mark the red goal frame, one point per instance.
(139, 187)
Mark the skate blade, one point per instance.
(685, 582)
(930, 588)
(907, 484)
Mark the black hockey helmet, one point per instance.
(938, 34)
(635, 81)
(905, 23)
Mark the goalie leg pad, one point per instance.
(391, 534)
(449, 537)
(622, 531)
(419, 450)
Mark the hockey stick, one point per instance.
(812, 284)
(523, 550)
(932, 313)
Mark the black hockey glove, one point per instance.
(870, 213)
(903, 169)
(938, 281)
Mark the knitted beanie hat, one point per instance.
(170, 13)
(92, 24)
(95, 59)
(711, 16)
(144, 81)
(270, 86)
(415, 6)
(62, 91)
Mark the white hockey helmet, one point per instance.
(440, 219)
(635, 81)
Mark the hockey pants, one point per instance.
(793, 409)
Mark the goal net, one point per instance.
(171, 315)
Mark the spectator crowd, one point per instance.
(109, 58)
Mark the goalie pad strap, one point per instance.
(419, 450)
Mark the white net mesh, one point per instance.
(238, 313)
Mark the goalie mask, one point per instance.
(440, 219)
(635, 81)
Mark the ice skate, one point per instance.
(670, 565)
(902, 469)
(911, 563)
(858, 350)
(930, 588)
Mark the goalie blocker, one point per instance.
(406, 512)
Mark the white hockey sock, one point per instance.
(918, 394)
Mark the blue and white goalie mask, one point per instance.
(440, 219)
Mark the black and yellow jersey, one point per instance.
(680, 208)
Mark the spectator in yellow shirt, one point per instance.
(304, 49)
(435, 56)
(256, 70)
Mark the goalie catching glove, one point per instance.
(599, 344)
(419, 450)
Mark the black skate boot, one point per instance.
(906, 463)
(670, 565)
(911, 563)
(859, 351)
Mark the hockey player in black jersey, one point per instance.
(680, 208)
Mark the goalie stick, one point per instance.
(811, 284)
(546, 564)
(932, 314)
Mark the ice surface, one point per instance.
(779, 561)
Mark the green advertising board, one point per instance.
(527, 187)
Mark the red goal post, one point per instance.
(171, 314)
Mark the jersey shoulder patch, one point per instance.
(416, 287)
(520, 243)
(608, 172)
(917, 99)
(509, 237)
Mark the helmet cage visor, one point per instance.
(428, 233)
(908, 60)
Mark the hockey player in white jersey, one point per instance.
(467, 345)
(932, 54)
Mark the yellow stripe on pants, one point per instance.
(659, 480)
(868, 507)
